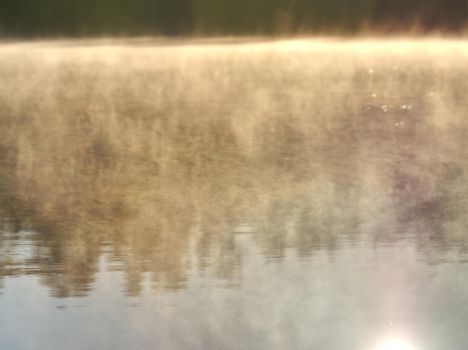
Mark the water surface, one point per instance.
(284, 195)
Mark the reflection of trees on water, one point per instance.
(161, 179)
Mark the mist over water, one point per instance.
(263, 195)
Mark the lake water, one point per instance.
(302, 194)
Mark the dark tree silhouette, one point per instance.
(221, 17)
(428, 15)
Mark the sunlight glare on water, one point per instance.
(395, 343)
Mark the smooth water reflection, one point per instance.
(259, 197)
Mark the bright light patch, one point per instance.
(395, 344)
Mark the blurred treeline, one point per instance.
(135, 155)
(224, 17)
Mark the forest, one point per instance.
(39, 18)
